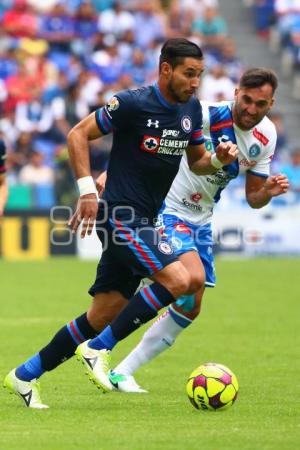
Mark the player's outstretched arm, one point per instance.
(259, 191)
(78, 148)
(202, 162)
(3, 193)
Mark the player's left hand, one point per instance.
(227, 152)
(276, 185)
(86, 212)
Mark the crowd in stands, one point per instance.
(279, 22)
(60, 60)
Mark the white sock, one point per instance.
(158, 338)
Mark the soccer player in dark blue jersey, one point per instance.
(152, 127)
(3, 182)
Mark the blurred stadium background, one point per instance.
(60, 60)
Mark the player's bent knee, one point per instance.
(179, 283)
(175, 278)
(196, 284)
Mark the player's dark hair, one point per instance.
(257, 77)
(175, 50)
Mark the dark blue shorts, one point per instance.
(132, 250)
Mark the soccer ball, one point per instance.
(212, 387)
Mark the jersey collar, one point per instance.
(162, 99)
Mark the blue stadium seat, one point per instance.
(44, 197)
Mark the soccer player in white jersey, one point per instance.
(188, 207)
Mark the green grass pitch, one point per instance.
(250, 322)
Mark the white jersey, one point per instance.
(192, 197)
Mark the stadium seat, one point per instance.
(20, 197)
(44, 197)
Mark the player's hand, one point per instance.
(276, 185)
(100, 183)
(86, 212)
(227, 152)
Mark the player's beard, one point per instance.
(173, 91)
(238, 115)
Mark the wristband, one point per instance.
(86, 186)
(215, 162)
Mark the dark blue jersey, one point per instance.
(2, 157)
(150, 136)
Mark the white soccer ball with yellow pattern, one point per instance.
(212, 387)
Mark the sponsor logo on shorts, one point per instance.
(176, 243)
(182, 228)
(165, 247)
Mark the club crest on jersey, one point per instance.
(165, 247)
(254, 151)
(150, 144)
(153, 123)
(113, 104)
(186, 124)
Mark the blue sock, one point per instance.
(105, 339)
(141, 308)
(32, 368)
(65, 342)
(59, 349)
